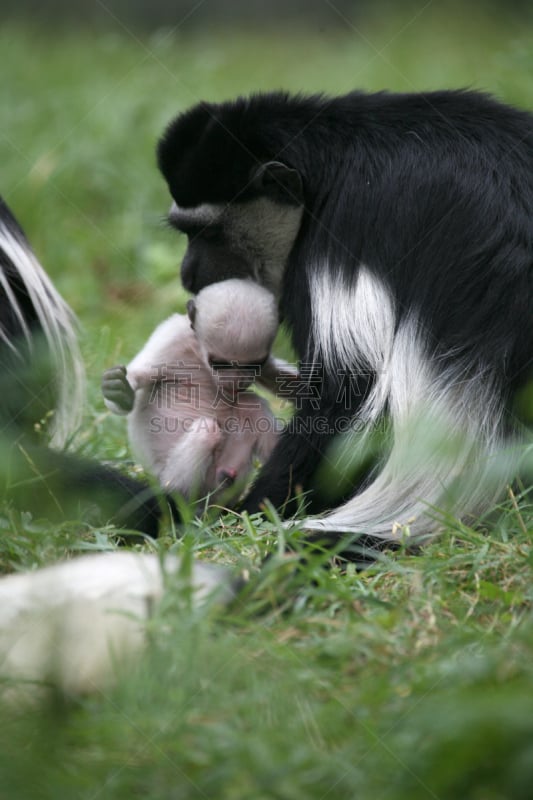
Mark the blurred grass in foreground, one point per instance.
(411, 680)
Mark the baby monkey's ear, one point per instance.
(191, 311)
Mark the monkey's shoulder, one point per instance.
(172, 343)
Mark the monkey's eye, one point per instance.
(217, 363)
(195, 230)
(220, 364)
(212, 234)
(257, 363)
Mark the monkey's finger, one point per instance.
(119, 393)
(116, 391)
(119, 390)
(119, 402)
(115, 384)
(115, 372)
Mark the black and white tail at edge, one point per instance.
(40, 305)
(36, 326)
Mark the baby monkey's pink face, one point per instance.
(235, 323)
(231, 368)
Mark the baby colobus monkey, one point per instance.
(191, 420)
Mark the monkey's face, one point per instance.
(249, 238)
(236, 374)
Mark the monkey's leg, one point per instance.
(189, 461)
(303, 447)
(61, 486)
(293, 461)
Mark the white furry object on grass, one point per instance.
(74, 623)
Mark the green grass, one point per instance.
(411, 680)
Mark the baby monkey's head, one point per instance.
(235, 322)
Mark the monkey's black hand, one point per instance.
(117, 390)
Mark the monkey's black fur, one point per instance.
(33, 476)
(431, 193)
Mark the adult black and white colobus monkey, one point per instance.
(41, 370)
(397, 231)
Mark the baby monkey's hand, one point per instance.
(118, 395)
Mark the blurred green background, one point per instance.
(412, 680)
(84, 104)
(87, 88)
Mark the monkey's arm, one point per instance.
(171, 342)
(294, 460)
(188, 468)
(267, 429)
(119, 383)
(326, 411)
